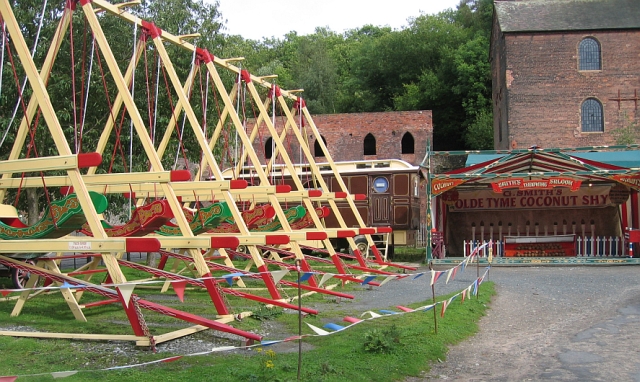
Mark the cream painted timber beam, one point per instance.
(64, 162)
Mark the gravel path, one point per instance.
(553, 323)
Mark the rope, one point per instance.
(133, 82)
(24, 82)
(184, 118)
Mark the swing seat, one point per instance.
(59, 219)
(144, 220)
(201, 221)
(250, 217)
(292, 214)
(306, 221)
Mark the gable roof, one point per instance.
(567, 15)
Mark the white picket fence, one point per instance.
(586, 246)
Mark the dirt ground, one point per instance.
(555, 323)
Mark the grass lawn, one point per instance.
(383, 349)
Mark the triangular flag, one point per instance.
(278, 275)
(386, 280)
(444, 307)
(305, 276)
(316, 329)
(223, 348)
(178, 287)
(8, 379)
(373, 314)
(324, 278)
(385, 311)
(435, 275)
(63, 374)
(126, 290)
(268, 343)
(231, 276)
(452, 298)
(292, 338)
(464, 294)
(368, 279)
(428, 307)
(66, 285)
(171, 359)
(418, 275)
(333, 326)
(4, 293)
(475, 287)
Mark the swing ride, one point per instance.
(197, 222)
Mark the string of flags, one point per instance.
(328, 329)
(179, 285)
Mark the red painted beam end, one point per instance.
(142, 244)
(225, 242)
(277, 239)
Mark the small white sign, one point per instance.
(79, 246)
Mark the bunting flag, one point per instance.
(444, 308)
(171, 359)
(269, 343)
(418, 275)
(428, 307)
(435, 275)
(324, 278)
(386, 280)
(333, 326)
(63, 374)
(404, 308)
(231, 276)
(385, 311)
(452, 298)
(475, 288)
(126, 290)
(223, 348)
(8, 379)
(178, 287)
(317, 330)
(368, 279)
(373, 314)
(305, 276)
(464, 294)
(451, 274)
(278, 275)
(4, 293)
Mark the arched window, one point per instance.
(592, 116)
(268, 148)
(369, 145)
(317, 149)
(407, 144)
(589, 53)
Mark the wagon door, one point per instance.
(380, 197)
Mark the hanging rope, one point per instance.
(184, 117)
(33, 52)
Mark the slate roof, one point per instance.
(567, 15)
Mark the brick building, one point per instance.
(358, 136)
(565, 73)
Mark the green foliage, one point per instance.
(382, 341)
(262, 313)
(627, 134)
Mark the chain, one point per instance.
(143, 323)
(221, 293)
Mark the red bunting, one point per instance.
(178, 287)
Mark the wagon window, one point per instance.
(369, 145)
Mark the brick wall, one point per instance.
(545, 89)
(344, 135)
